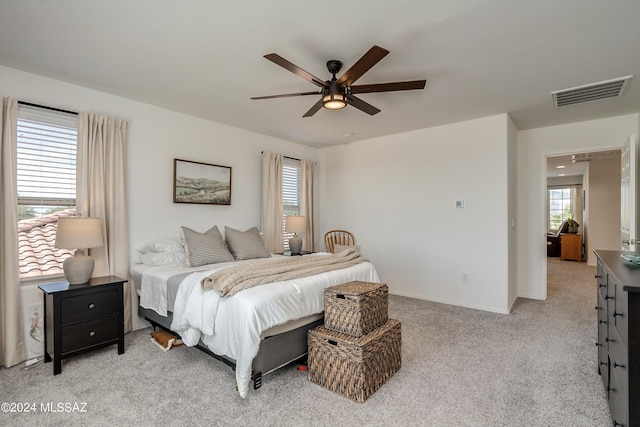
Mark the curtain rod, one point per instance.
(286, 157)
(47, 108)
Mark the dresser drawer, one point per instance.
(601, 281)
(88, 306)
(619, 361)
(602, 343)
(88, 334)
(620, 313)
(617, 403)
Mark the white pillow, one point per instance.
(162, 258)
(161, 245)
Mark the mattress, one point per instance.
(172, 284)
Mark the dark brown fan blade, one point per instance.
(389, 87)
(286, 95)
(361, 105)
(316, 107)
(279, 60)
(364, 64)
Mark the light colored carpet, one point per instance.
(460, 367)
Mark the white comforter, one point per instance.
(232, 326)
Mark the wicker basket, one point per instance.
(356, 308)
(354, 367)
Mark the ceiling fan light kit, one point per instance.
(336, 93)
(334, 101)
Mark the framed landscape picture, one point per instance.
(202, 183)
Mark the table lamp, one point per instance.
(295, 224)
(78, 234)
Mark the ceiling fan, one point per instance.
(338, 92)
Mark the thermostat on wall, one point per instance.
(459, 203)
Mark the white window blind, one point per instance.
(46, 159)
(290, 194)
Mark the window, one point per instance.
(559, 206)
(46, 186)
(290, 194)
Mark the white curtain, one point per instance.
(576, 204)
(12, 345)
(101, 194)
(307, 205)
(272, 212)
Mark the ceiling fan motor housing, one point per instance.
(334, 66)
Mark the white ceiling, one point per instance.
(576, 164)
(204, 57)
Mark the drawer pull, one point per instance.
(602, 321)
(601, 285)
(598, 307)
(92, 305)
(609, 388)
(617, 365)
(609, 339)
(92, 334)
(608, 297)
(615, 313)
(598, 344)
(597, 276)
(603, 363)
(616, 424)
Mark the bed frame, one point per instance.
(275, 351)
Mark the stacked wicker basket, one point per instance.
(359, 348)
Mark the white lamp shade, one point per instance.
(295, 224)
(78, 233)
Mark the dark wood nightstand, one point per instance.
(80, 318)
(288, 253)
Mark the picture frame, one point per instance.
(201, 183)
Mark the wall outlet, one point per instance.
(464, 278)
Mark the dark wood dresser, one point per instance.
(80, 318)
(618, 342)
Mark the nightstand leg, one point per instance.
(57, 366)
(47, 357)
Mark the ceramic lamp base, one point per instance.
(295, 244)
(78, 268)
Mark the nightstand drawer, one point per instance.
(88, 334)
(89, 306)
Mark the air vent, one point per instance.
(577, 158)
(591, 92)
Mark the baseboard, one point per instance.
(456, 303)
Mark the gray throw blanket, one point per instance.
(232, 280)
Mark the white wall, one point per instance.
(533, 147)
(512, 153)
(155, 137)
(397, 194)
(603, 206)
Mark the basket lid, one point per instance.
(356, 288)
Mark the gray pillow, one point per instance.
(245, 244)
(204, 248)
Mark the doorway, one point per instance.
(596, 175)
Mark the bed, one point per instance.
(257, 330)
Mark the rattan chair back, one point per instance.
(338, 237)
